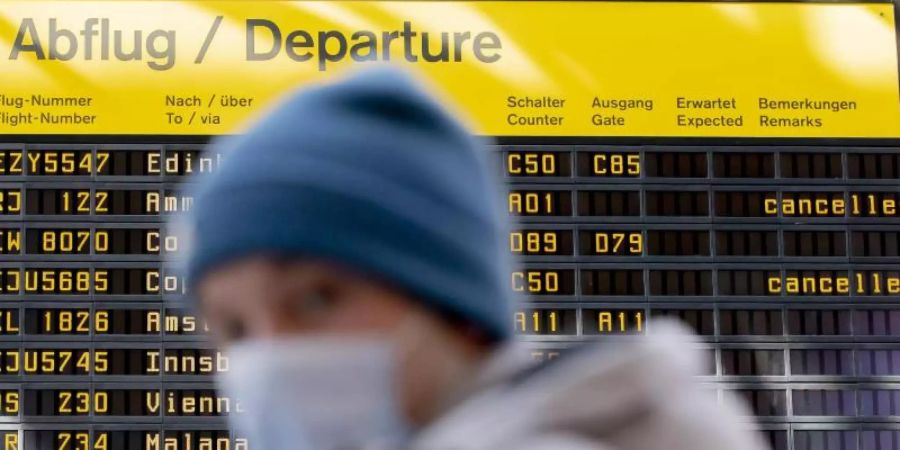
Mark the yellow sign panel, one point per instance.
(513, 68)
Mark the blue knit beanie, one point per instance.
(372, 173)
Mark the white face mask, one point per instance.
(315, 393)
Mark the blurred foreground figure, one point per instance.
(349, 255)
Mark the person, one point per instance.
(349, 256)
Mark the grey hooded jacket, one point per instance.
(640, 394)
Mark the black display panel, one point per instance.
(785, 260)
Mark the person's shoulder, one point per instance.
(639, 393)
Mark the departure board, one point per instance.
(735, 166)
(783, 258)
